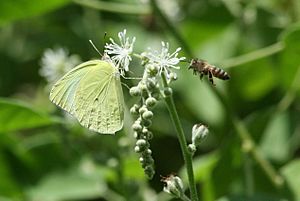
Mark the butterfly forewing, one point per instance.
(97, 100)
(98, 94)
(64, 90)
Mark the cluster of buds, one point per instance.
(150, 90)
(174, 186)
(199, 132)
(149, 93)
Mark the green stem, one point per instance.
(252, 56)
(249, 144)
(237, 124)
(115, 7)
(187, 156)
(249, 179)
(185, 198)
(250, 147)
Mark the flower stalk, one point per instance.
(155, 83)
(187, 156)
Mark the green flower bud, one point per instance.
(151, 102)
(173, 76)
(137, 127)
(149, 135)
(145, 131)
(135, 91)
(147, 123)
(147, 161)
(199, 132)
(137, 149)
(141, 143)
(143, 88)
(136, 135)
(148, 151)
(147, 115)
(149, 171)
(152, 70)
(156, 95)
(134, 110)
(151, 84)
(143, 109)
(168, 91)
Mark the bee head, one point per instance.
(193, 63)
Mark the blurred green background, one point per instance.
(252, 151)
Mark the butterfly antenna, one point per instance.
(95, 47)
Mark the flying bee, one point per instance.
(204, 68)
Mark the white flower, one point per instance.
(121, 53)
(164, 60)
(56, 62)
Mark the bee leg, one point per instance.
(210, 78)
(201, 76)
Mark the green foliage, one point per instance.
(85, 180)
(16, 115)
(291, 173)
(275, 140)
(21, 9)
(289, 59)
(252, 150)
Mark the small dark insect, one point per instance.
(204, 68)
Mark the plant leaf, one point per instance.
(20, 9)
(292, 176)
(275, 141)
(82, 181)
(15, 115)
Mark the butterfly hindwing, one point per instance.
(103, 108)
(92, 93)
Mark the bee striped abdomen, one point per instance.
(204, 68)
(219, 73)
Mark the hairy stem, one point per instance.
(187, 156)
